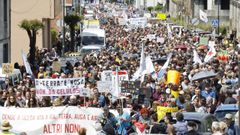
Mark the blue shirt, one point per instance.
(122, 129)
(209, 93)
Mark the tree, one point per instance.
(72, 20)
(150, 9)
(31, 26)
(158, 7)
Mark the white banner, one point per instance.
(59, 87)
(26, 64)
(52, 121)
(104, 86)
(106, 75)
(138, 22)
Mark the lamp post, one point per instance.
(63, 27)
(218, 16)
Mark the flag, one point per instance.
(211, 52)
(163, 69)
(203, 16)
(142, 61)
(169, 31)
(116, 85)
(26, 64)
(150, 67)
(196, 58)
(142, 67)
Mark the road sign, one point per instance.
(214, 23)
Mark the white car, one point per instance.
(90, 49)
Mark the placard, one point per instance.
(130, 87)
(104, 86)
(7, 68)
(59, 87)
(56, 66)
(161, 111)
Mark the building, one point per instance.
(189, 9)
(43, 10)
(234, 17)
(4, 31)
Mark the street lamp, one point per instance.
(218, 16)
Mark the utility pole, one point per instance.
(218, 16)
(63, 27)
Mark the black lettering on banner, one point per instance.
(47, 83)
(65, 82)
(36, 82)
(58, 83)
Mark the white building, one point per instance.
(4, 31)
(234, 17)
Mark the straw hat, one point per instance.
(6, 125)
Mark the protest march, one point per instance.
(150, 77)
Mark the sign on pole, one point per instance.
(214, 23)
(7, 68)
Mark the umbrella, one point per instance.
(181, 46)
(202, 47)
(203, 75)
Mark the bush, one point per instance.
(54, 36)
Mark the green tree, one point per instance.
(54, 36)
(150, 9)
(158, 7)
(72, 21)
(31, 26)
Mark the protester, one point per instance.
(181, 126)
(192, 128)
(5, 127)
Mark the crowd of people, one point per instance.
(123, 51)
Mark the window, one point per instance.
(205, 4)
(5, 53)
(225, 4)
(5, 10)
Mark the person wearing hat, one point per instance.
(192, 128)
(228, 119)
(5, 127)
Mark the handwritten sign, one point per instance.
(7, 68)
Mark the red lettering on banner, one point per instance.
(28, 117)
(40, 91)
(52, 128)
(8, 117)
(80, 116)
(72, 128)
(94, 118)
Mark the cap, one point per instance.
(228, 116)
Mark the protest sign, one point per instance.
(104, 86)
(56, 66)
(151, 37)
(106, 75)
(130, 87)
(138, 22)
(85, 92)
(161, 111)
(122, 74)
(52, 120)
(161, 16)
(59, 87)
(7, 68)
(203, 41)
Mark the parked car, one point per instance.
(203, 120)
(223, 109)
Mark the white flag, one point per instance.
(26, 64)
(164, 68)
(196, 58)
(116, 87)
(169, 31)
(203, 16)
(142, 67)
(211, 52)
